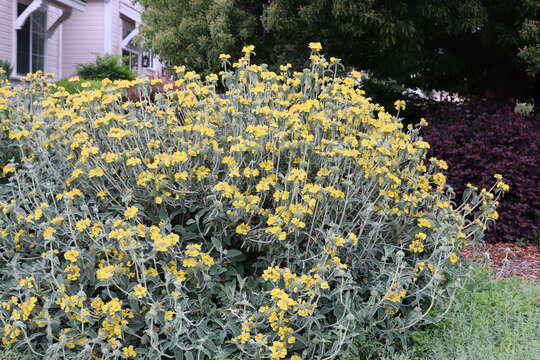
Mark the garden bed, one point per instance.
(509, 259)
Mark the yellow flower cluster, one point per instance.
(290, 304)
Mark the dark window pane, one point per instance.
(38, 44)
(38, 63)
(23, 45)
(20, 8)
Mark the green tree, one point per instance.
(468, 46)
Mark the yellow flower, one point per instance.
(242, 229)
(169, 315)
(356, 74)
(140, 291)
(503, 186)
(278, 350)
(130, 212)
(71, 255)
(315, 46)
(57, 220)
(133, 161)
(8, 169)
(297, 175)
(116, 133)
(399, 104)
(128, 351)
(453, 258)
(82, 224)
(105, 272)
(48, 233)
(207, 260)
(271, 273)
(96, 172)
(266, 165)
(189, 262)
(72, 272)
(416, 246)
(423, 222)
(393, 296)
(201, 172)
(248, 49)
(439, 179)
(181, 176)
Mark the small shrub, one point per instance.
(285, 218)
(5, 69)
(483, 138)
(105, 67)
(75, 85)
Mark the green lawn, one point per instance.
(493, 319)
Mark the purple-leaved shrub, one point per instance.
(481, 138)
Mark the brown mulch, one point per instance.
(509, 259)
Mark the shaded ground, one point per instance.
(509, 259)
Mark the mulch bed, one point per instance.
(508, 259)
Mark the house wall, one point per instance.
(116, 31)
(52, 44)
(83, 36)
(96, 30)
(6, 26)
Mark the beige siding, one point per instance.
(83, 36)
(52, 46)
(6, 29)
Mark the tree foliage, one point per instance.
(467, 46)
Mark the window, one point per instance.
(131, 59)
(31, 42)
(130, 53)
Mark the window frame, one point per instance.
(30, 21)
(128, 59)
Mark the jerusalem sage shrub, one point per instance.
(481, 138)
(283, 219)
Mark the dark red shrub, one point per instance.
(481, 139)
(135, 92)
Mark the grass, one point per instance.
(493, 319)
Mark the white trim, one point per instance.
(74, 4)
(130, 13)
(21, 19)
(14, 38)
(107, 27)
(129, 37)
(66, 13)
(60, 50)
